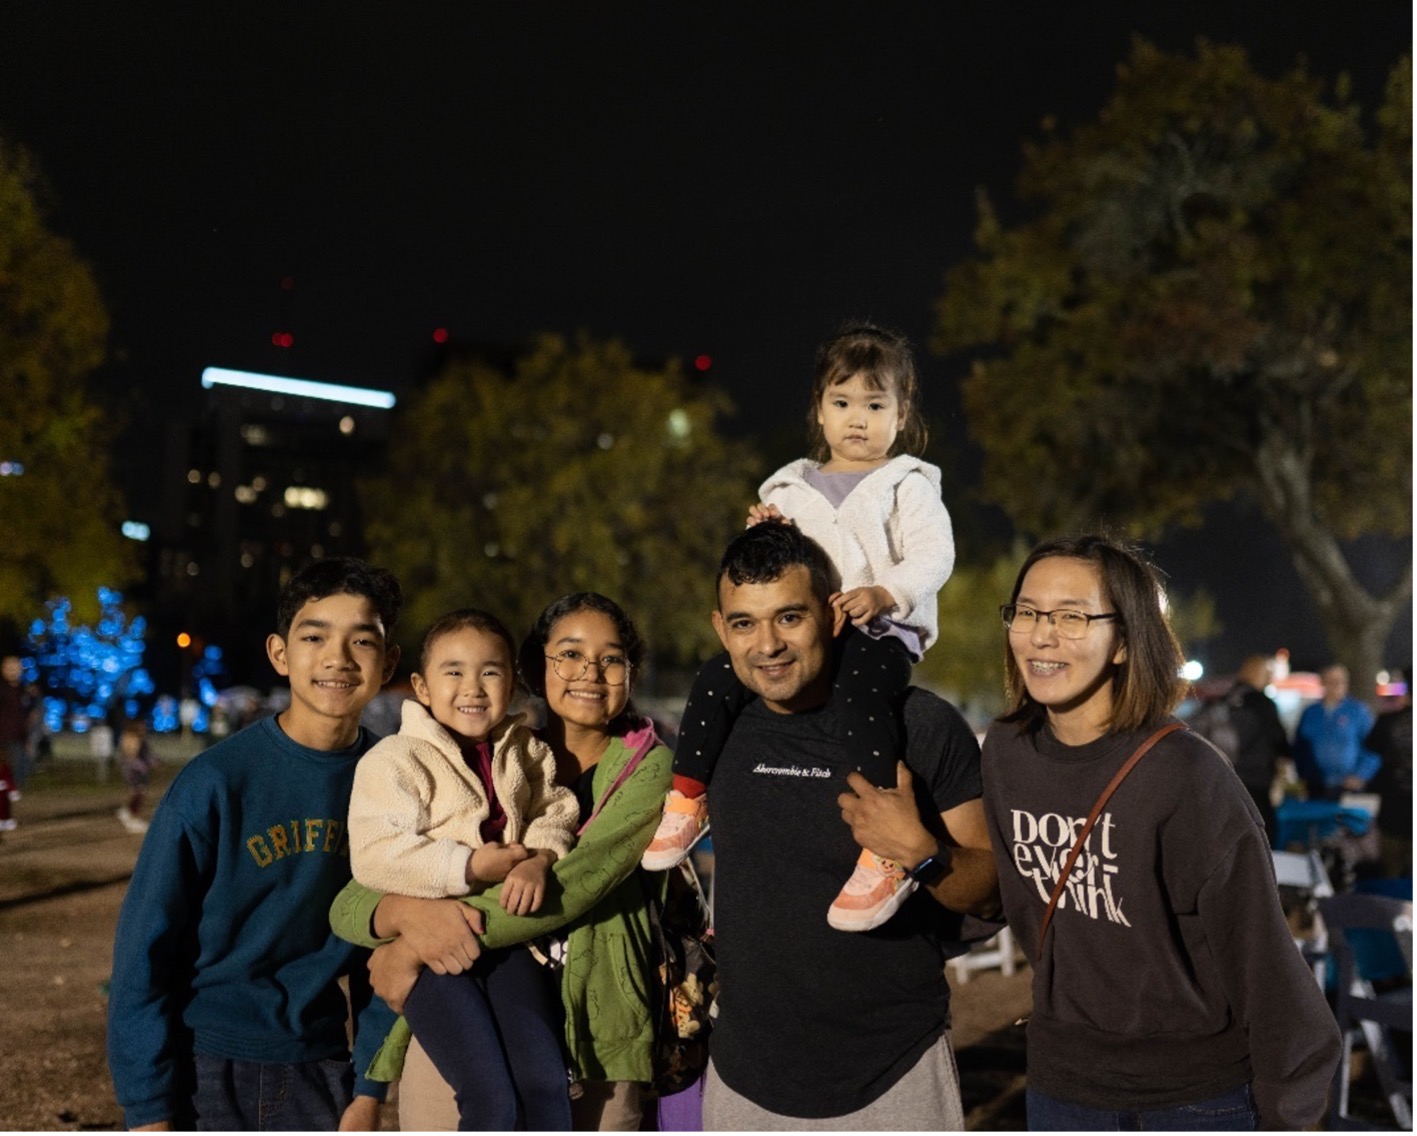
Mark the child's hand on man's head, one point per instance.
(759, 513)
(490, 863)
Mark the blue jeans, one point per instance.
(253, 1096)
(495, 1034)
(1230, 1112)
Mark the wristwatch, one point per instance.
(932, 869)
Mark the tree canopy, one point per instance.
(1209, 293)
(60, 512)
(579, 471)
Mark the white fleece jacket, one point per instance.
(893, 530)
(417, 808)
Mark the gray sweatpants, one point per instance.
(926, 1099)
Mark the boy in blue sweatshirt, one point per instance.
(225, 1011)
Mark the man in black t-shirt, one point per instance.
(820, 1029)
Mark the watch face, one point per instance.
(929, 871)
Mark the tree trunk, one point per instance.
(1356, 623)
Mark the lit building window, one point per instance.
(194, 476)
(346, 424)
(214, 479)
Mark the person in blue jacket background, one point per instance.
(1329, 749)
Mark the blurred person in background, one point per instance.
(1260, 737)
(1391, 739)
(19, 708)
(1329, 748)
(136, 761)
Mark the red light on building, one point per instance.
(703, 362)
(287, 283)
(440, 335)
(283, 339)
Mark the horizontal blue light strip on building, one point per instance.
(300, 388)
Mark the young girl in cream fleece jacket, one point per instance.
(463, 797)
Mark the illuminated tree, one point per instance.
(83, 670)
(1211, 295)
(579, 471)
(59, 509)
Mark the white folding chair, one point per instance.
(1305, 873)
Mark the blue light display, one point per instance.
(84, 671)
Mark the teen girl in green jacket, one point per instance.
(580, 656)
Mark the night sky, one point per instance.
(725, 178)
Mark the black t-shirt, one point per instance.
(816, 1022)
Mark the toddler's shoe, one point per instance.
(685, 821)
(873, 894)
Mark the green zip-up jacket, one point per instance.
(595, 896)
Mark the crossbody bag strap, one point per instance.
(641, 741)
(1092, 820)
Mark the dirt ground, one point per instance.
(63, 874)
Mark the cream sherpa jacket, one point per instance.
(416, 808)
(892, 530)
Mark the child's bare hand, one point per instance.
(362, 1115)
(759, 513)
(525, 885)
(490, 863)
(862, 605)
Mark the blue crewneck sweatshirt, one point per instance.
(223, 944)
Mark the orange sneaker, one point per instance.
(872, 895)
(685, 821)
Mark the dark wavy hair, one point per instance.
(885, 362)
(1147, 685)
(340, 576)
(532, 660)
(465, 617)
(763, 553)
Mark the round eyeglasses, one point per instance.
(571, 666)
(1070, 624)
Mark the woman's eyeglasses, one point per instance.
(572, 666)
(1070, 624)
